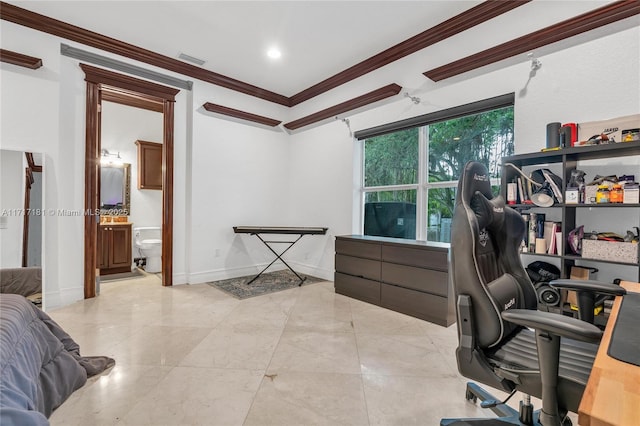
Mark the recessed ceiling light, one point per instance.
(274, 53)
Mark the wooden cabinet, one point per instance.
(114, 243)
(149, 165)
(406, 276)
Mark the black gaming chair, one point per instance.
(497, 311)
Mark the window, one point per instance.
(411, 168)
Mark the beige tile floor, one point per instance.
(192, 355)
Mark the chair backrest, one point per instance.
(485, 261)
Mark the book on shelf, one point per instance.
(551, 229)
(532, 232)
(523, 197)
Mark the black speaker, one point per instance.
(547, 295)
(553, 135)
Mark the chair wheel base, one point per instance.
(506, 415)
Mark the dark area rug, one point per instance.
(270, 282)
(123, 276)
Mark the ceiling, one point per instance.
(318, 39)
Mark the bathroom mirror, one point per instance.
(115, 189)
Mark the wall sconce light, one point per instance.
(108, 158)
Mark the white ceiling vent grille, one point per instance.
(191, 59)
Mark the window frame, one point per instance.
(423, 186)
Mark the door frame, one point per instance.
(109, 85)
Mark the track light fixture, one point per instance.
(347, 123)
(416, 100)
(535, 62)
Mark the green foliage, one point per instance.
(392, 159)
(484, 137)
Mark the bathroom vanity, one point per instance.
(114, 242)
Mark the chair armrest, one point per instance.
(557, 324)
(589, 285)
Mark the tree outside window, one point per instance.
(399, 181)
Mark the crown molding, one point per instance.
(358, 102)
(19, 59)
(243, 115)
(571, 27)
(459, 23)
(43, 23)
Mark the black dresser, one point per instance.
(406, 276)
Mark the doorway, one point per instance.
(114, 87)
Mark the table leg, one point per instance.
(278, 256)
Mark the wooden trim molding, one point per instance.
(366, 99)
(243, 115)
(132, 100)
(459, 23)
(91, 191)
(571, 27)
(99, 82)
(19, 59)
(124, 83)
(58, 28)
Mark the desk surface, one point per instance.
(314, 230)
(612, 395)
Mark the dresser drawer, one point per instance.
(358, 288)
(429, 307)
(420, 257)
(368, 250)
(357, 266)
(425, 280)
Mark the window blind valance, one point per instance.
(434, 117)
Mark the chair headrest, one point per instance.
(488, 212)
(475, 178)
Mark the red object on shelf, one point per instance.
(574, 132)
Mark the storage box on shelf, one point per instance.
(563, 162)
(610, 250)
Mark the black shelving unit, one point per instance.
(569, 159)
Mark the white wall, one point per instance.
(568, 88)
(44, 111)
(240, 176)
(229, 173)
(12, 179)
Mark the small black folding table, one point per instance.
(281, 230)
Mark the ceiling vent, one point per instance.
(191, 59)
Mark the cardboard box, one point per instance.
(577, 273)
(631, 193)
(612, 128)
(610, 250)
(590, 194)
(572, 196)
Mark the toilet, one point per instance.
(148, 240)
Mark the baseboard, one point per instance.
(179, 279)
(60, 298)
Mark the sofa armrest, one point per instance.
(556, 324)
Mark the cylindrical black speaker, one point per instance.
(548, 295)
(553, 135)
